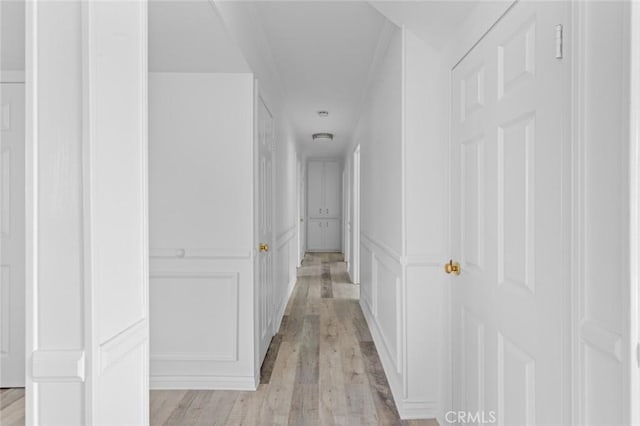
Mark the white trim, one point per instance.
(634, 203)
(377, 245)
(11, 76)
(200, 253)
(241, 383)
(577, 198)
(355, 229)
(422, 260)
(58, 366)
(233, 278)
(120, 345)
(31, 205)
(403, 140)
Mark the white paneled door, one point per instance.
(12, 233)
(265, 228)
(324, 194)
(509, 183)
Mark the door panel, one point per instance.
(510, 97)
(265, 225)
(332, 235)
(332, 189)
(12, 231)
(315, 194)
(315, 234)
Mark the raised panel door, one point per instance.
(12, 231)
(315, 234)
(508, 122)
(315, 193)
(332, 189)
(332, 235)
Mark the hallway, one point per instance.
(321, 368)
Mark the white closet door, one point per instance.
(332, 235)
(315, 237)
(315, 193)
(332, 189)
(12, 313)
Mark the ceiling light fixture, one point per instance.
(322, 137)
(323, 113)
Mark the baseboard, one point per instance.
(408, 409)
(203, 383)
(411, 410)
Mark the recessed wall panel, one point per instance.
(5, 219)
(516, 385)
(472, 193)
(5, 309)
(194, 316)
(473, 359)
(516, 58)
(472, 92)
(516, 197)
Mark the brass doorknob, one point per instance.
(264, 247)
(452, 267)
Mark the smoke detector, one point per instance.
(322, 137)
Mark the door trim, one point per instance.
(634, 198)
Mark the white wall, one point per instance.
(189, 36)
(244, 25)
(404, 225)
(201, 230)
(12, 36)
(426, 172)
(379, 133)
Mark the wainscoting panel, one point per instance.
(402, 300)
(202, 322)
(382, 301)
(189, 310)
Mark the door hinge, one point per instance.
(559, 53)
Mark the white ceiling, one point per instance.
(323, 52)
(436, 22)
(189, 36)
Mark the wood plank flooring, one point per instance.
(322, 368)
(12, 407)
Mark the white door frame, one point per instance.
(15, 79)
(355, 277)
(634, 203)
(299, 223)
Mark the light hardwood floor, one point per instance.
(322, 368)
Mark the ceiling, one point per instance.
(188, 36)
(323, 52)
(435, 22)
